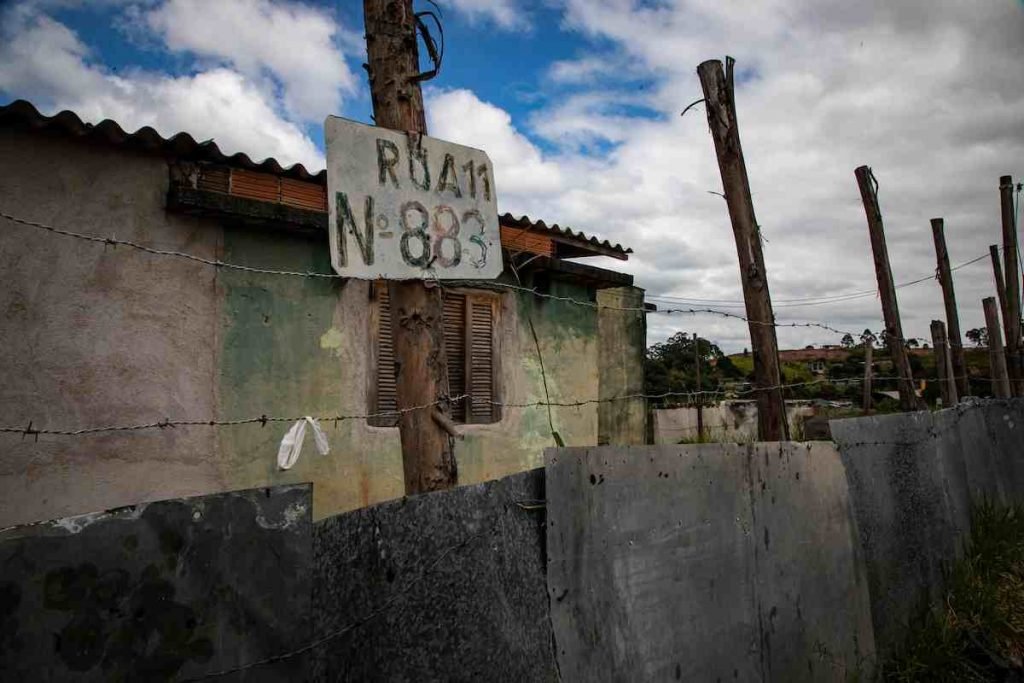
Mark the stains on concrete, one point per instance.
(158, 592)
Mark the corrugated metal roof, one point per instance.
(22, 113)
(526, 223)
(181, 145)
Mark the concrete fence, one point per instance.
(723, 421)
(753, 562)
(785, 562)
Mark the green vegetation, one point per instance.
(978, 632)
(672, 367)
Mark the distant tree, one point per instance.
(669, 366)
(868, 337)
(978, 336)
(847, 341)
(912, 343)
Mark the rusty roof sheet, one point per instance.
(526, 223)
(21, 113)
(182, 145)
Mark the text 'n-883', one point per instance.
(409, 206)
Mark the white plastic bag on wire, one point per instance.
(291, 444)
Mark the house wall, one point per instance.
(96, 335)
(622, 338)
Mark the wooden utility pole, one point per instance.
(996, 352)
(421, 364)
(720, 104)
(1011, 281)
(956, 347)
(868, 348)
(943, 364)
(887, 290)
(700, 390)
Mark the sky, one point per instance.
(578, 104)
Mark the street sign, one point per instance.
(405, 206)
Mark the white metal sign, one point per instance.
(407, 206)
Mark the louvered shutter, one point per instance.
(480, 365)
(455, 349)
(387, 393)
(469, 345)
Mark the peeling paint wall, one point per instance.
(98, 335)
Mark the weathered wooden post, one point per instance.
(887, 290)
(943, 364)
(720, 104)
(1011, 281)
(700, 390)
(997, 272)
(421, 364)
(996, 352)
(868, 348)
(956, 347)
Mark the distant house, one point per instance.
(96, 334)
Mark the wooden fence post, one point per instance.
(700, 389)
(996, 352)
(943, 364)
(997, 272)
(421, 364)
(868, 348)
(956, 347)
(887, 290)
(720, 104)
(1011, 282)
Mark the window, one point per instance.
(470, 342)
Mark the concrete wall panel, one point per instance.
(705, 562)
(444, 586)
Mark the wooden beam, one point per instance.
(887, 290)
(720, 105)
(417, 313)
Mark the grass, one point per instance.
(978, 634)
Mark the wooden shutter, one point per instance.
(480, 358)
(386, 394)
(455, 349)
(469, 345)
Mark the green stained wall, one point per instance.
(113, 336)
(296, 346)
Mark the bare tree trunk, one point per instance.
(421, 364)
(887, 291)
(720, 104)
(956, 347)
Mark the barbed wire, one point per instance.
(217, 263)
(691, 394)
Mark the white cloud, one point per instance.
(929, 93)
(507, 14)
(296, 44)
(519, 169)
(42, 60)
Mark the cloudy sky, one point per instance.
(578, 103)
